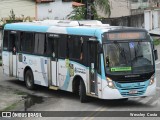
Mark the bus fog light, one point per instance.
(151, 80)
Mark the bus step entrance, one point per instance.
(53, 87)
(92, 93)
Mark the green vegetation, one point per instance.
(156, 42)
(103, 5)
(78, 13)
(13, 19)
(14, 105)
(20, 92)
(11, 107)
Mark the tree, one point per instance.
(104, 6)
(78, 13)
(89, 10)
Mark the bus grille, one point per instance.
(132, 89)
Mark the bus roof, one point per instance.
(86, 28)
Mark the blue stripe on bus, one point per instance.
(98, 34)
(66, 82)
(81, 31)
(102, 68)
(26, 27)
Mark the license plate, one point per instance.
(133, 91)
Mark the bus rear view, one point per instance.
(129, 64)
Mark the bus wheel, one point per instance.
(29, 80)
(82, 92)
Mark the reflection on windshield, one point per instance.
(128, 57)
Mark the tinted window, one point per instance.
(52, 46)
(63, 49)
(39, 46)
(27, 42)
(75, 46)
(12, 42)
(5, 40)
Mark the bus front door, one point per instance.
(92, 57)
(13, 38)
(53, 51)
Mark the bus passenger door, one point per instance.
(13, 38)
(92, 60)
(52, 47)
(6, 53)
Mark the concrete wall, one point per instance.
(152, 19)
(119, 8)
(54, 10)
(131, 21)
(139, 4)
(20, 7)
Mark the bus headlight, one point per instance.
(151, 80)
(110, 83)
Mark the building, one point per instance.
(118, 8)
(53, 9)
(152, 20)
(20, 7)
(129, 12)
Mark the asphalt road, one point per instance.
(43, 99)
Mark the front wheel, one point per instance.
(29, 80)
(82, 92)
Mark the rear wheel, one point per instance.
(82, 92)
(29, 80)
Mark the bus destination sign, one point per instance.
(126, 36)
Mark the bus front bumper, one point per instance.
(109, 93)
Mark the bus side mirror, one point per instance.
(100, 49)
(155, 55)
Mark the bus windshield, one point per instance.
(133, 57)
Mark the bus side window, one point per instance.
(21, 41)
(50, 50)
(12, 43)
(81, 50)
(5, 40)
(62, 48)
(27, 42)
(75, 47)
(39, 43)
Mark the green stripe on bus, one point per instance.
(119, 69)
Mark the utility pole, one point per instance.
(89, 15)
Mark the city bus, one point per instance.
(85, 57)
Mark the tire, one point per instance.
(82, 92)
(29, 80)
